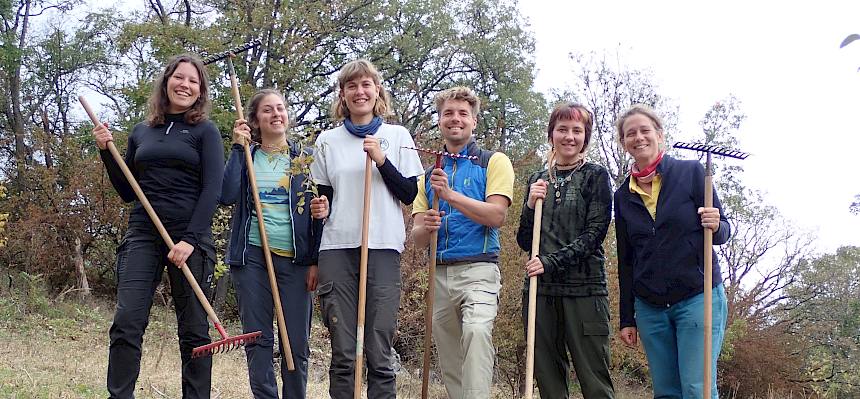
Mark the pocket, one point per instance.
(595, 328)
(387, 304)
(328, 307)
(480, 307)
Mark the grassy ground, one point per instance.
(58, 349)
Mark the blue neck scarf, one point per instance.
(363, 131)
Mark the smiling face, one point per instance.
(568, 139)
(456, 122)
(183, 88)
(360, 95)
(271, 117)
(641, 138)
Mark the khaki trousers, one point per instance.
(466, 301)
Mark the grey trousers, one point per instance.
(338, 293)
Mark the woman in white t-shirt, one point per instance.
(338, 170)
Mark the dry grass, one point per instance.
(60, 351)
(51, 349)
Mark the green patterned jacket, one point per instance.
(575, 219)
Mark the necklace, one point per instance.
(274, 148)
(560, 184)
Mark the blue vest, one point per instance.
(460, 238)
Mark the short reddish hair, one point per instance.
(574, 112)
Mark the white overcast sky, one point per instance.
(799, 90)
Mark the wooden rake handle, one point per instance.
(155, 220)
(533, 285)
(264, 238)
(362, 281)
(708, 284)
(431, 293)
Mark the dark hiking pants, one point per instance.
(338, 292)
(141, 259)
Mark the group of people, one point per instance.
(177, 157)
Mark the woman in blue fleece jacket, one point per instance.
(293, 237)
(659, 218)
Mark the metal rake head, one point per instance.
(233, 51)
(225, 345)
(441, 153)
(712, 149)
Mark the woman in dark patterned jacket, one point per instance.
(572, 304)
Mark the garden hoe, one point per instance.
(226, 343)
(709, 246)
(249, 162)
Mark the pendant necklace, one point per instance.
(559, 184)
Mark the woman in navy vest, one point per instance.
(659, 221)
(293, 239)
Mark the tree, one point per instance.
(17, 107)
(757, 264)
(609, 91)
(824, 309)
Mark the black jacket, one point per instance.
(179, 167)
(662, 261)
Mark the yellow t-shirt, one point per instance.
(500, 181)
(650, 200)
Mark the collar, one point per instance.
(174, 117)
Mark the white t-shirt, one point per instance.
(339, 160)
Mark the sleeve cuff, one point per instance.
(548, 266)
(190, 238)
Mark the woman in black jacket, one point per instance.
(177, 157)
(572, 305)
(659, 218)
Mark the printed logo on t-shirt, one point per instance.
(184, 131)
(467, 181)
(383, 144)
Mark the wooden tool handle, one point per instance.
(151, 212)
(708, 284)
(431, 293)
(362, 280)
(264, 238)
(533, 286)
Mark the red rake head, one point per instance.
(440, 154)
(225, 345)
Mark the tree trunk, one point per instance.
(49, 159)
(83, 284)
(222, 286)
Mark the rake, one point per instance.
(249, 162)
(709, 150)
(431, 276)
(227, 342)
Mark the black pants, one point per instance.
(141, 258)
(338, 293)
